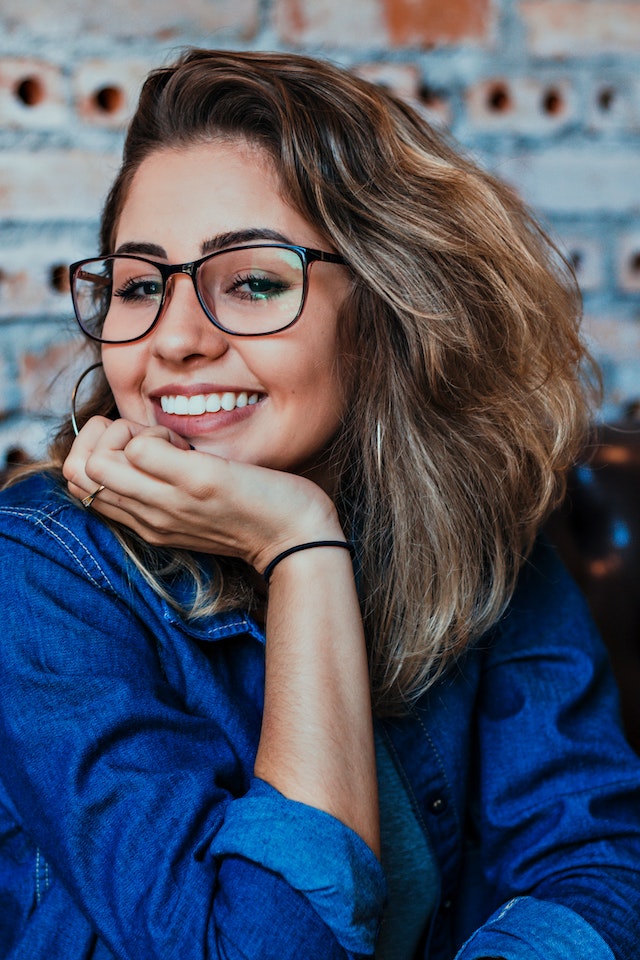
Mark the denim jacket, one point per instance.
(132, 826)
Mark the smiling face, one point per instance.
(276, 400)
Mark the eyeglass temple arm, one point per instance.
(94, 277)
(328, 257)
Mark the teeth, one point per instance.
(196, 405)
(206, 403)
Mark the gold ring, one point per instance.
(88, 500)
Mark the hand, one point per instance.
(317, 692)
(174, 496)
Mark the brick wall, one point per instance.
(545, 92)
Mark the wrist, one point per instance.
(313, 521)
(312, 545)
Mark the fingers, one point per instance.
(74, 470)
(138, 476)
(99, 454)
(155, 452)
(149, 480)
(88, 500)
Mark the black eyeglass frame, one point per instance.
(307, 255)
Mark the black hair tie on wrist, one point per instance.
(345, 544)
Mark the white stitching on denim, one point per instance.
(38, 894)
(441, 765)
(43, 880)
(223, 629)
(38, 517)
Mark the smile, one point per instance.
(206, 403)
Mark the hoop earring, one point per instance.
(74, 394)
(379, 436)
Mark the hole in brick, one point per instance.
(16, 455)
(499, 98)
(109, 99)
(429, 96)
(59, 278)
(606, 96)
(634, 263)
(576, 259)
(552, 102)
(30, 91)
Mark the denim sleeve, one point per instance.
(128, 793)
(560, 934)
(329, 863)
(558, 788)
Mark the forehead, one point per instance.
(191, 193)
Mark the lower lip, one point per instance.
(204, 424)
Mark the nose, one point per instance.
(183, 331)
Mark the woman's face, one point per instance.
(281, 397)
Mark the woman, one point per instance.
(339, 389)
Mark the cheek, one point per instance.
(311, 381)
(124, 375)
(320, 401)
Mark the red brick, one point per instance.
(54, 185)
(5, 385)
(570, 29)
(165, 20)
(585, 253)
(106, 91)
(615, 342)
(27, 284)
(47, 373)
(31, 436)
(572, 180)
(611, 105)
(419, 23)
(431, 22)
(32, 94)
(629, 264)
(332, 22)
(520, 104)
(403, 79)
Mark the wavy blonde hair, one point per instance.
(460, 347)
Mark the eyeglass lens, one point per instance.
(251, 290)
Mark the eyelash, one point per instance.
(277, 288)
(126, 290)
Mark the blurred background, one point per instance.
(545, 93)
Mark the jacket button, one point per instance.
(437, 805)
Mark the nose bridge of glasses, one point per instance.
(171, 271)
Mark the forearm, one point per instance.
(317, 738)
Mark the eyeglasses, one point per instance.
(247, 291)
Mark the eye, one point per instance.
(139, 290)
(257, 287)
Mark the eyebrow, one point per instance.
(220, 242)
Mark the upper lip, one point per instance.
(196, 389)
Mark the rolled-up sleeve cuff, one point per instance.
(531, 929)
(315, 853)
